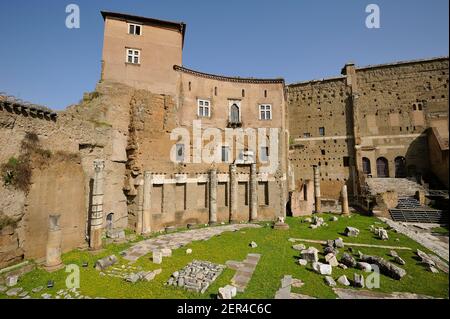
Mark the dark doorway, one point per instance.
(367, 170)
(400, 167)
(382, 167)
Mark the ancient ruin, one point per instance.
(158, 146)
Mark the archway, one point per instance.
(382, 167)
(367, 170)
(400, 167)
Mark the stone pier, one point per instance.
(233, 194)
(53, 260)
(96, 219)
(317, 206)
(146, 205)
(344, 198)
(140, 205)
(253, 193)
(213, 197)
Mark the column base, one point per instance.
(54, 268)
(212, 223)
(281, 226)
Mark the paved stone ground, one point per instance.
(426, 239)
(366, 294)
(177, 240)
(244, 271)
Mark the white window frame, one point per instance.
(265, 109)
(203, 108)
(133, 53)
(134, 25)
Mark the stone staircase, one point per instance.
(403, 186)
(409, 210)
(408, 203)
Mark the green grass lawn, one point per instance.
(278, 259)
(440, 231)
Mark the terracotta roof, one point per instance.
(180, 26)
(228, 78)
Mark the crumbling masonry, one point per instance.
(332, 135)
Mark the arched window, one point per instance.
(400, 167)
(382, 167)
(234, 113)
(366, 166)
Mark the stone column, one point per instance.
(95, 238)
(317, 188)
(140, 206)
(146, 213)
(253, 193)
(53, 260)
(233, 194)
(213, 197)
(344, 198)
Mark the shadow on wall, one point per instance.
(349, 126)
(416, 165)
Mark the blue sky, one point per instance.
(44, 62)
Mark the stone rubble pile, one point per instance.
(317, 222)
(380, 232)
(430, 262)
(105, 262)
(351, 231)
(227, 292)
(386, 267)
(309, 255)
(142, 276)
(196, 276)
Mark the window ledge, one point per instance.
(134, 64)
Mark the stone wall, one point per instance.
(312, 106)
(376, 113)
(95, 128)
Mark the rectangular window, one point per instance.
(265, 112)
(204, 108)
(134, 29)
(133, 56)
(306, 134)
(264, 154)
(322, 131)
(180, 152)
(225, 154)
